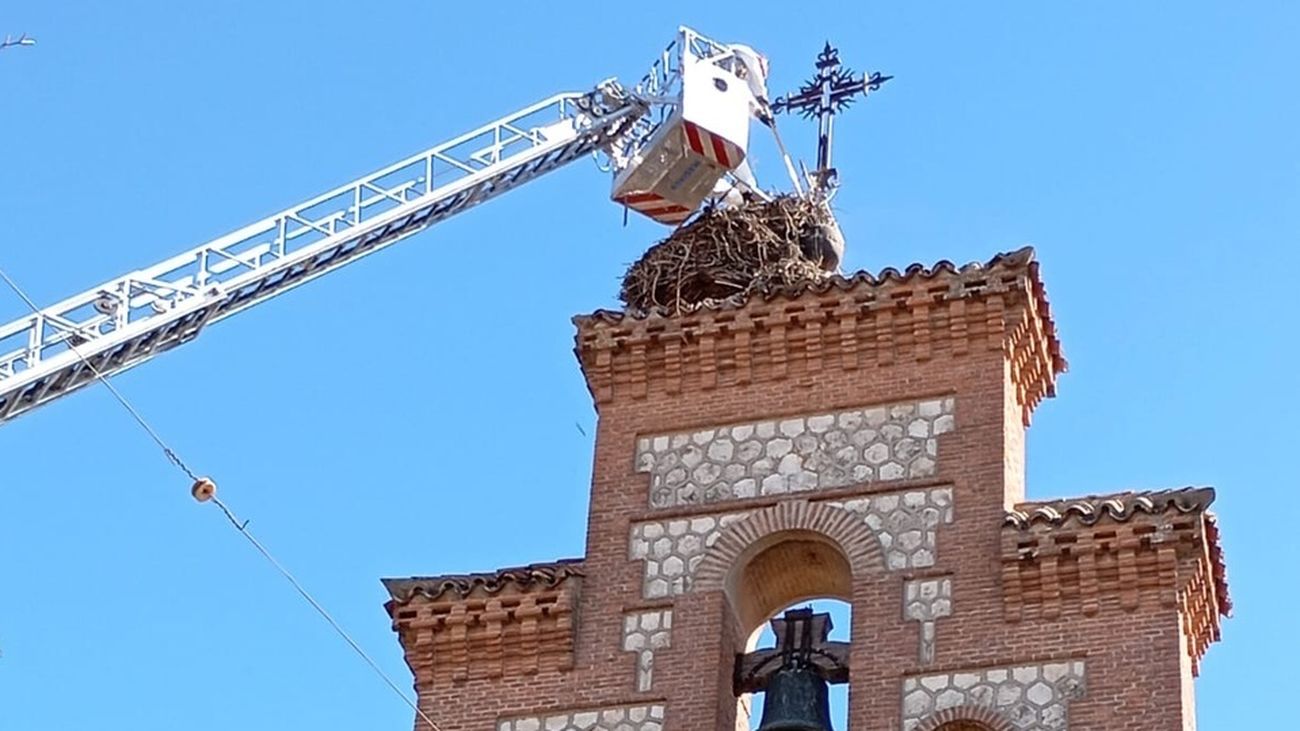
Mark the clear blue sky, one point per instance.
(415, 412)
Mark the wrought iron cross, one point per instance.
(828, 93)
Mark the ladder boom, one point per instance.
(129, 320)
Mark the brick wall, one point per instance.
(886, 417)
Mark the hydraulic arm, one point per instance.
(124, 322)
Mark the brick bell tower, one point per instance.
(861, 440)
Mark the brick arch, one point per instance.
(773, 541)
(966, 718)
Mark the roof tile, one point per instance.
(538, 575)
(1118, 506)
(1121, 507)
(967, 280)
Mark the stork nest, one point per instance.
(725, 252)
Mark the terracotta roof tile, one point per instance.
(1118, 506)
(1020, 258)
(967, 280)
(545, 575)
(1124, 505)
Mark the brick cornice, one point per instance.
(1130, 548)
(508, 622)
(514, 579)
(845, 322)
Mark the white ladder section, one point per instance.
(129, 320)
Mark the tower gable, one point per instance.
(863, 440)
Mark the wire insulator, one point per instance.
(204, 489)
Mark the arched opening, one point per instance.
(966, 718)
(782, 570)
(785, 570)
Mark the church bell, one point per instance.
(796, 699)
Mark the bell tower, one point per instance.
(863, 440)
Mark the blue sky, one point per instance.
(417, 412)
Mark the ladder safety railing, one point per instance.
(107, 329)
(128, 320)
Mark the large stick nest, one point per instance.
(725, 252)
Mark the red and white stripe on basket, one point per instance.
(713, 147)
(657, 207)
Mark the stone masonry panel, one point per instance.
(673, 549)
(799, 454)
(619, 718)
(905, 523)
(1030, 697)
(644, 633)
(925, 601)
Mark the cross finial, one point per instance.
(828, 93)
(829, 57)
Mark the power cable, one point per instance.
(204, 490)
(139, 418)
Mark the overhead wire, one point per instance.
(240, 526)
(121, 399)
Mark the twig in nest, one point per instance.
(728, 252)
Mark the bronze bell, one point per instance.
(796, 699)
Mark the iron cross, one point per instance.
(829, 92)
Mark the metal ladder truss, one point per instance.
(129, 320)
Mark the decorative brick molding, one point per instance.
(1157, 547)
(904, 526)
(846, 322)
(925, 601)
(510, 622)
(797, 454)
(644, 633)
(859, 546)
(1202, 607)
(1028, 697)
(966, 718)
(617, 718)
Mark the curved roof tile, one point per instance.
(1118, 506)
(889, 275)
(1121, 507)
(969, 279)
(539, 575)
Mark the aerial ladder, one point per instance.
(671, 141)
